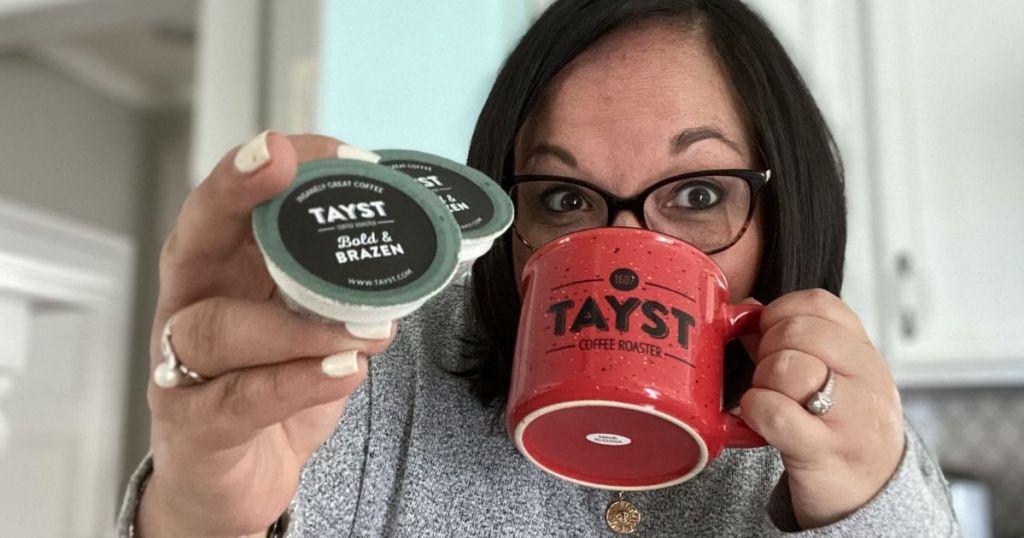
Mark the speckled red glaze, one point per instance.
(649, 388)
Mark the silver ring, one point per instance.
(171, 372)
(822, 401)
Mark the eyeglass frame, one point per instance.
(756, 180)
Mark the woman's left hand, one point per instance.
(838, 461)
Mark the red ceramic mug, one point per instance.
(617, 379)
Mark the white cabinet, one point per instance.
(947, 120)
(926, 99)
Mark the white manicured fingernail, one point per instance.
(346, 151)
(340, 364)
(370, 331)
(253, 155)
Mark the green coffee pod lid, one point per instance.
(357, 242)
(479, 205)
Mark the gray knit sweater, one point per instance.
(417, 455)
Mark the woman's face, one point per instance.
(642, 104)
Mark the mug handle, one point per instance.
(742, 319)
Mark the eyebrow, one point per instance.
(689, 137)
(679, 144)
(558, 152)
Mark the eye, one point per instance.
(564, 199)
(697, 195)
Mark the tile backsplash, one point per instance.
(980, 433)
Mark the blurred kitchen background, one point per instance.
(111, 110)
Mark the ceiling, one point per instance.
(138, 52)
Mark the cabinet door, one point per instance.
(947, 116)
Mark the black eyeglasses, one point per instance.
(710, 209)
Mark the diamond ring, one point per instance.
(821, 402)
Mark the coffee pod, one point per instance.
(356, 242)
(482, 210)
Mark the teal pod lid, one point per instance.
(479, 205)
(357, 242)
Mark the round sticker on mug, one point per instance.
(609, 439)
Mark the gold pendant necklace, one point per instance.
(622, 516)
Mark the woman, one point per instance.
(617, 93)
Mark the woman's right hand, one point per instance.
(227, 453)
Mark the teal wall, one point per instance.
(412, 74)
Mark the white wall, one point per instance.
(66, 148)
(256, 66)
(69, 150)
(165, 177)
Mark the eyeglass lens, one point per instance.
(708, 212)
